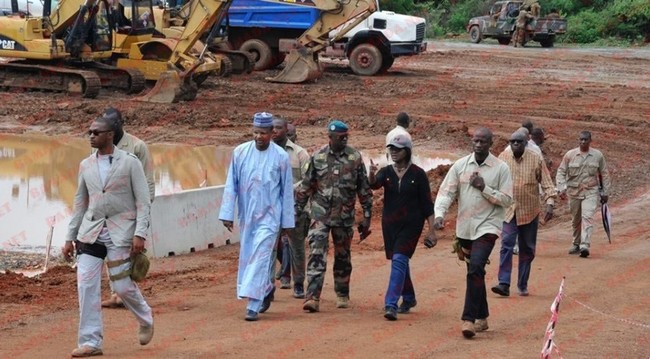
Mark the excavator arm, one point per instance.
(183, 63)
(302, 62)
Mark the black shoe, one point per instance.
(391, 313)
(298, 291)
(266, 304)
(574, 249)
(406, 306)
(285, 283)
(251, 316)
(502, 290)
(584, 253)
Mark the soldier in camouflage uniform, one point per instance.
(335, 175)
(520, 31)
(532, 6)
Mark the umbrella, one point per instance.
(607, 221)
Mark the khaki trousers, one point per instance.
(583, 211)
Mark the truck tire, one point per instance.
(475, 34)
(504, 40)
(365, 60)
(261, 52)
(386, 63)
(546, 42)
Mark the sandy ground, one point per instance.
(450, 90)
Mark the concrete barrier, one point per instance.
(188, 221)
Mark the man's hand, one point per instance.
(138, 245)
(438, 223)
(68, 251)
(549, 213)
(430, 240)
(476, 181)
(603, 199)
(227, 224)
(373, 167)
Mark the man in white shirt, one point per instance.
(403, 122)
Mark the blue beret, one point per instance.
(263, 119)
(337, 126)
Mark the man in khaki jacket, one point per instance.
(131, 144)
(583, 177)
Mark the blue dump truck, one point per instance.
(269, 31)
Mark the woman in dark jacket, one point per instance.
(407, 203)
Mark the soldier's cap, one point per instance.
(400, 141)
(263, 119)
(337, 126)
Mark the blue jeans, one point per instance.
(476, 306)
(284, 256)
(399, 284)
(526, 235)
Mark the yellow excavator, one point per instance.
(80, 48)
(181, 62)
(63, 50)
(302, 62)
(171, 22)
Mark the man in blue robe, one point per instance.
(261, 184)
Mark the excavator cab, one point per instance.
(140, 21)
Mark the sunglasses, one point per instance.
(97, 132)
(517, 141)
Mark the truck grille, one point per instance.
(419, 32)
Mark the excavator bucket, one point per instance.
(300, 67)
(171, 87)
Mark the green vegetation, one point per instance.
(589, 21)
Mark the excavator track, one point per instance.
(49, 78)
(128, 80)
(242, 61)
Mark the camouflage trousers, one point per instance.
(317, 264)
(520, 36)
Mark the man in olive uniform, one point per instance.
(335, 175)
(292, 248)
(583, 177)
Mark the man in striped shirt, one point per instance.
(528, 172)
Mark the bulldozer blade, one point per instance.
(300, 67)
(171, 87)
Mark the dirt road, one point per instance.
(449, 90)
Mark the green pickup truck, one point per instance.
(501, 23)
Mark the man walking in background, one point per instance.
(292, 248)
(528, 172)
(403, 121)
(583, 178)
(131, 144)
